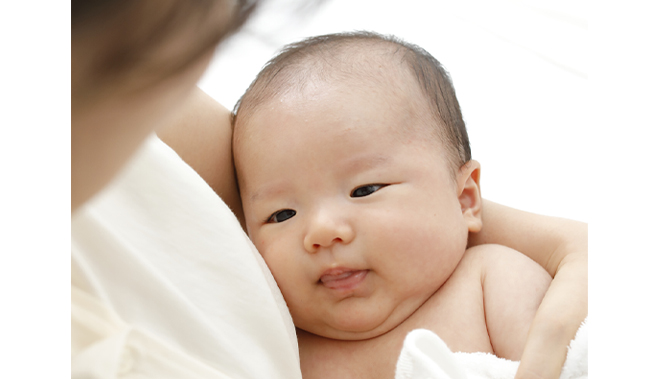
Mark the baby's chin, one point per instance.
(345, 335)
(355, 328)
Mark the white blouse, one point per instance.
(166, 284)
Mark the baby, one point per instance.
(359, 190)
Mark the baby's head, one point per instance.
(356, 179)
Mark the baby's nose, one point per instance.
(326, 229)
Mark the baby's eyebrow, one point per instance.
(364, 162)
(266, 192)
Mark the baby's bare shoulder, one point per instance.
(490, 259)
(475, 264)
(513, 287)
(456, 311)
(488, 254)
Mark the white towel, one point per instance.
(426, 356)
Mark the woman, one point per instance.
(151, 288)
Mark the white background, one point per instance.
(519, 69)
(614, 175)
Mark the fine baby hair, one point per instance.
(331, 56)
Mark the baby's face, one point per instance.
(353, 208)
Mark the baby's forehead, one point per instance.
(341, 106)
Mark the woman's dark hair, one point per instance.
(132, 30)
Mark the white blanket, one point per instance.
(426, 356)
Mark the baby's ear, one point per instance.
(469, 194)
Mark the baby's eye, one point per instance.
(282, 215)
(366, 190)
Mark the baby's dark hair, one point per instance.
(319, 55)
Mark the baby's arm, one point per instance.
(559, 246)
(513, 287)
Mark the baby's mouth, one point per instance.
(342, 279)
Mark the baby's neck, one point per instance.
(322, 357)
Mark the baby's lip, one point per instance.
(342, 277)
